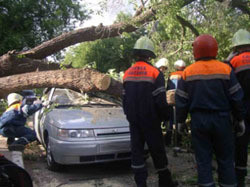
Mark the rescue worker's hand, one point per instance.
(241, 128)
(182, 128)
(38, 101)
(46, 103)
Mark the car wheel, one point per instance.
(51, 163)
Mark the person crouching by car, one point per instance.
(13, 120)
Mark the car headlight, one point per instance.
(71, 133)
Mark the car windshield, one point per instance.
(70, 97)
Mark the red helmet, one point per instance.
(205, 46)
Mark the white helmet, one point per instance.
(179, 64)
(162, 62)
(13, 97)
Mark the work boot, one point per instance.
(10, 140)
(140, 177)
(165, 179)
(240, 177)
(18, 145)
(241, 182)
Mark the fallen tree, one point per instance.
(82, 80)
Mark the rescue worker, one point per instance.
(162, 65)
(240, 62)
(209, 90)
(175, 76)
(145, 106)
(172, 83)
(13, 120)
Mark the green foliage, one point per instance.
(27, 23)
(174, 40)
(3, 106)
(111, 53)
(115, 75)
(221, 24)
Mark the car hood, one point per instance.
(87, 118)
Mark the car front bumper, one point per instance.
(80, 152)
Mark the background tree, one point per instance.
(178, 25)
(27, 23)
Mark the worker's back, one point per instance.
(209, 85)
(141, 86)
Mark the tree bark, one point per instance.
(14, 63)
(83, 80)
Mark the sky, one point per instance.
(108, 16)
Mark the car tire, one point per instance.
(51, 163)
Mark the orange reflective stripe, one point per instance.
(241, 62)
(212, 69)
(141, 71)
(14, 107)
(176, 75)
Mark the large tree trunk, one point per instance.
(83, 80)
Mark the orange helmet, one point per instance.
(205, 46)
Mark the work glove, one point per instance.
(182, 128)
(240, 128)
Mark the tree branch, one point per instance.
(185, 23)
(13, 63)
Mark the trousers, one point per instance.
(212, 133)
(146, 131)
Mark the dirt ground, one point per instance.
(115, 174)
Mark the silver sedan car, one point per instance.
(77, 129)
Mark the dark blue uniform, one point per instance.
(172, 84)
(13, 120)
(209, 90)
(241, 66)
(144, 103)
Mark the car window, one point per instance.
(70, 97)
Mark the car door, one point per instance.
(39, 119)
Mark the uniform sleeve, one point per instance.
(159, 95)
(124, 100)
(28, 110)
(236, 96)
(6, 117)
(181, 101)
